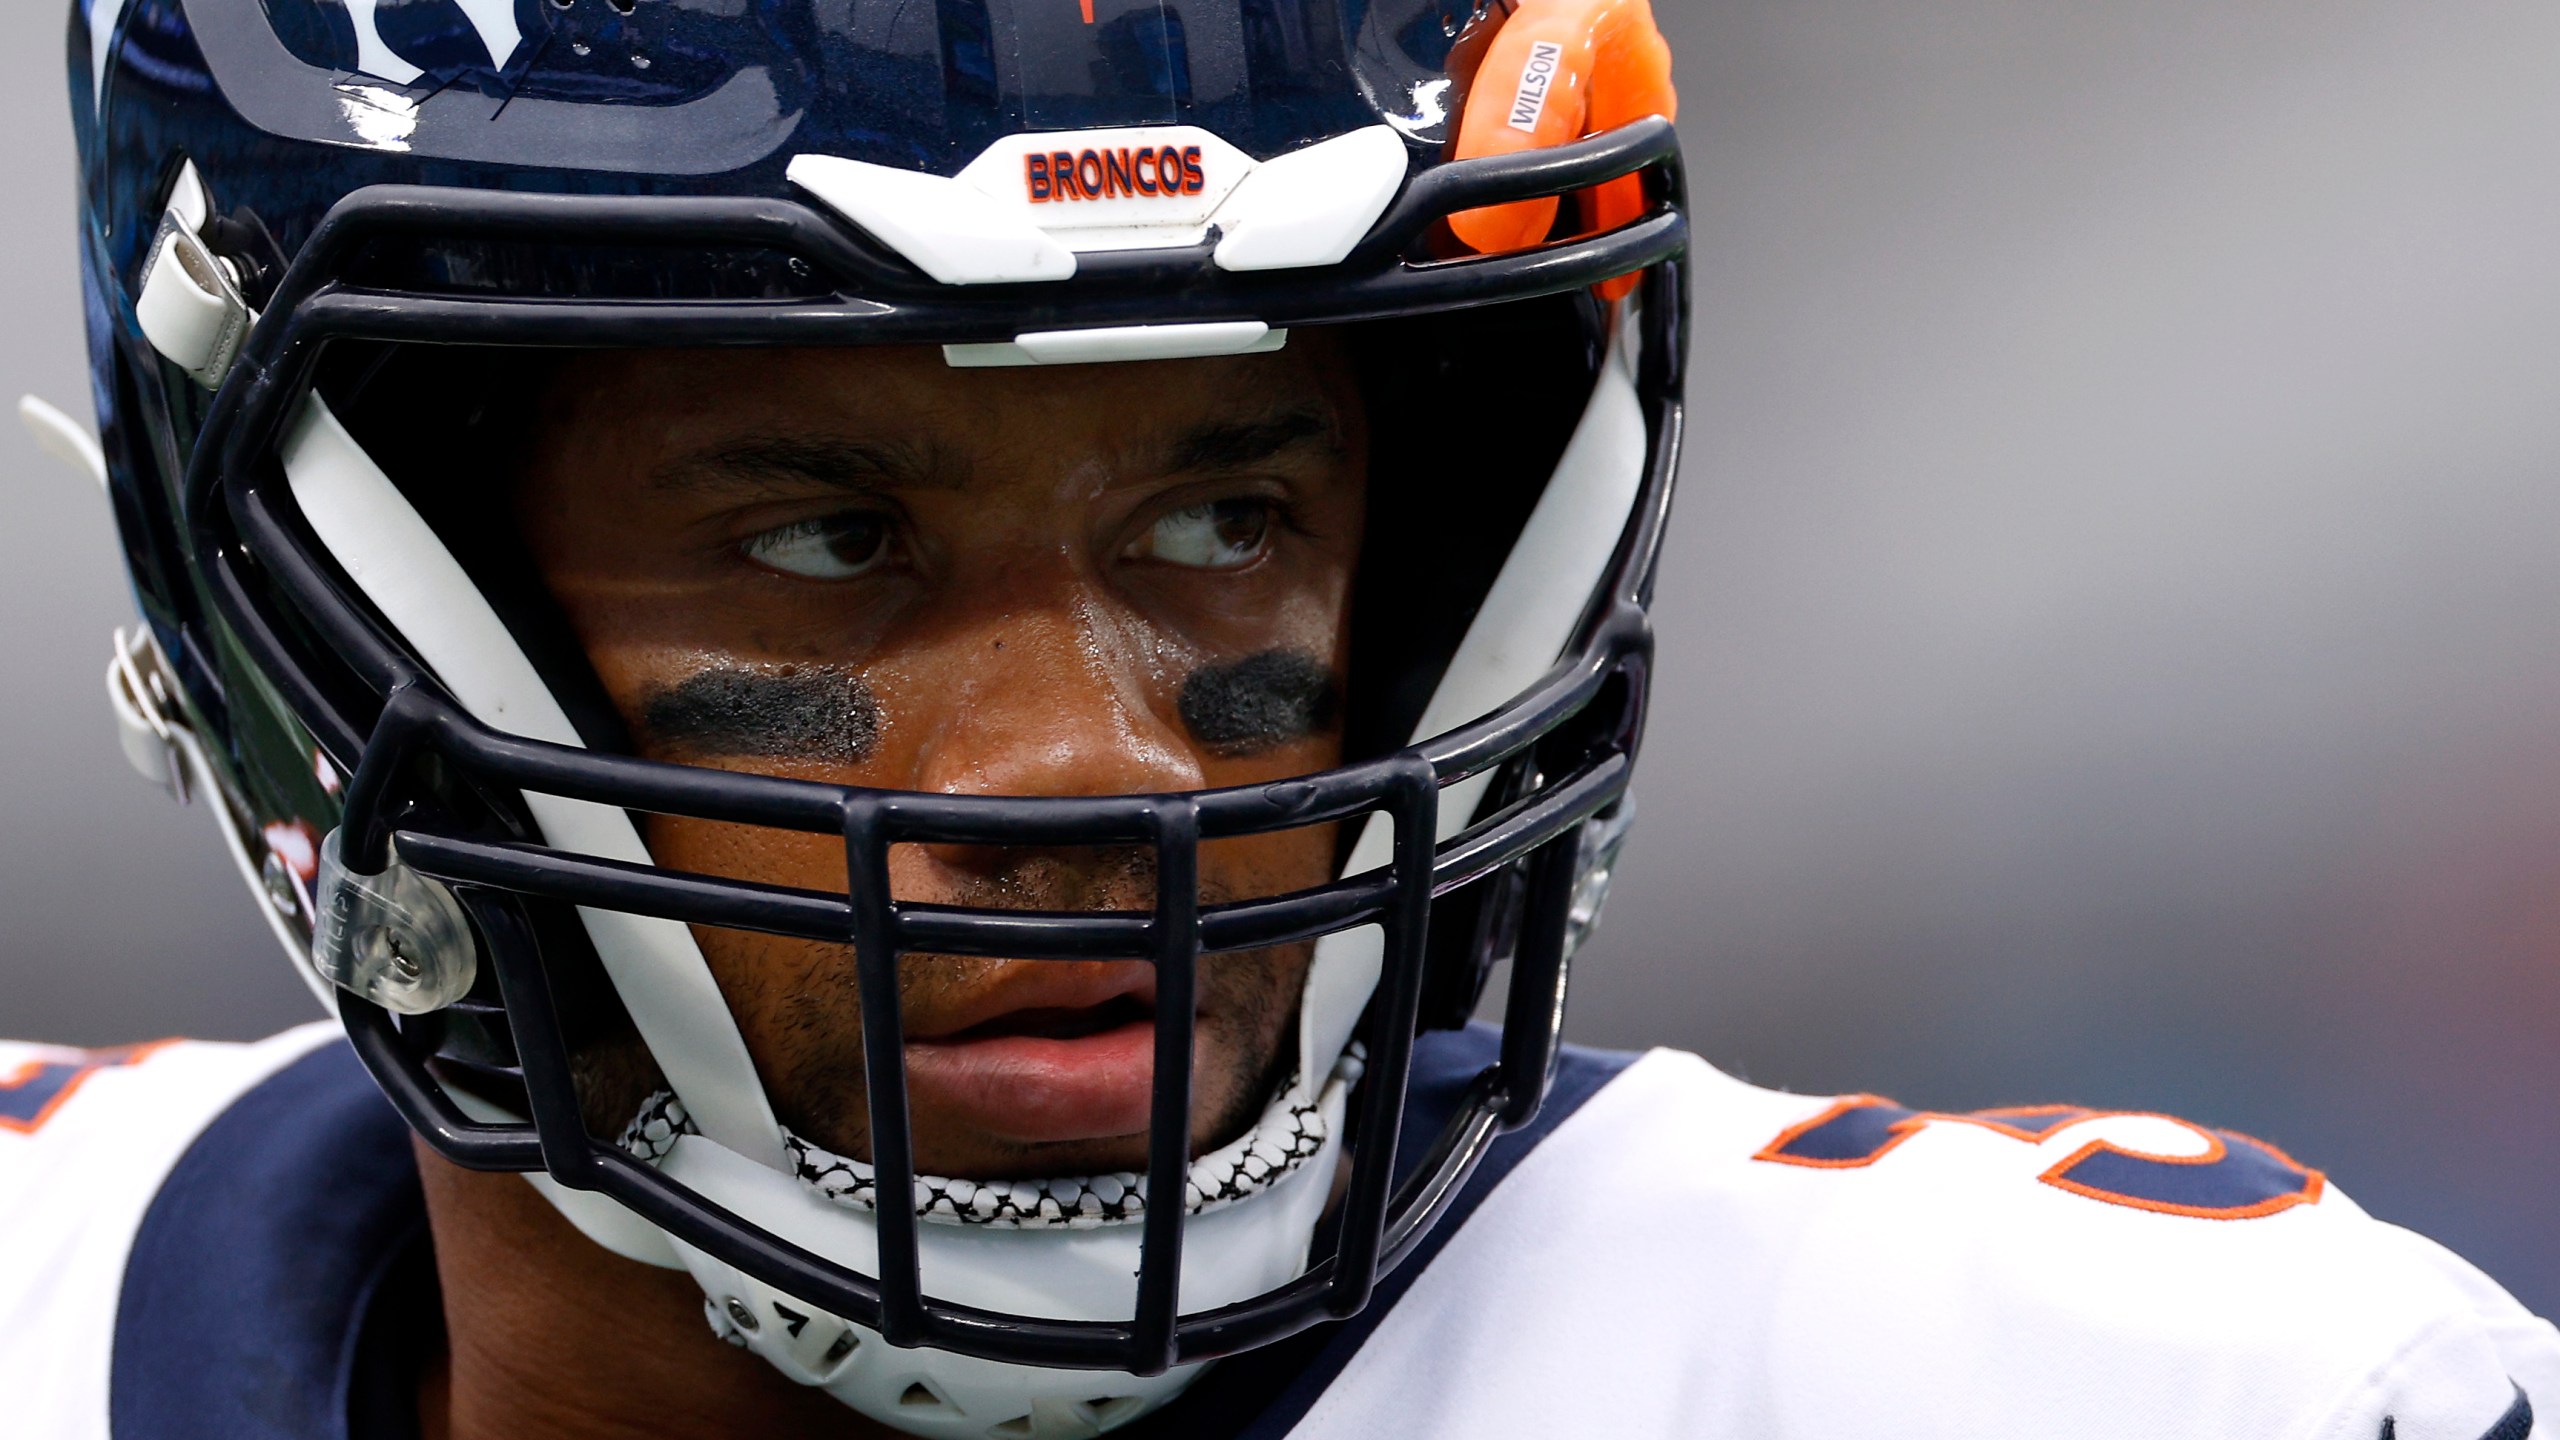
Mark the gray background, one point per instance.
(2110, 649)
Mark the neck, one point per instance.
(552, 1335)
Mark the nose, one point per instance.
(1052, 701)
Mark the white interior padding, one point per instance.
(1523, 626)
(1120, 344)
(374, 534)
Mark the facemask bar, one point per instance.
(417, 718)
(1375, 1225)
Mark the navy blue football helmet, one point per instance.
(286, 202)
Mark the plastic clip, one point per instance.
(397, 939)
(1603, 837)
(148, 721)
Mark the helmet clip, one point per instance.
(397, 938)
(189, 303)
(148, 723)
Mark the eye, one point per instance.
(831, 547)
(1213, 535)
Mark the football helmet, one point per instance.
(292, 210)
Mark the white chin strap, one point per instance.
(738, 1159)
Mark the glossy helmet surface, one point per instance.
(279, 193)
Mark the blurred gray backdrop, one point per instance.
(2111, 644)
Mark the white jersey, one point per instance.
(1662, 1266)
(193, 1240)
(86, 1140)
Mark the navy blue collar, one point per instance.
(281, 1286)
(245, 1300)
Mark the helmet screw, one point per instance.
(740, 1315)
(277, 879)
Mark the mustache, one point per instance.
(1089, 878)
(1260, 702)
(802, 712)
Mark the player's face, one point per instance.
(869, 568)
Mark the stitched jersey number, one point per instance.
(30, 1094)
(2235, 1178)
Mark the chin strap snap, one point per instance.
(162, 746)
(189, 304)
(149, 722)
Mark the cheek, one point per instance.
(1261, 866)
(747, 852)
(756, 972)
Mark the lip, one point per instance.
(986, 1065)
(1029, 985)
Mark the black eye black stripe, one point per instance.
(1259, 701)
(809, 712)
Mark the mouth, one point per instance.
(1049, 1053)
(1060, 1022)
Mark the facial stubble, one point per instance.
(828, 714)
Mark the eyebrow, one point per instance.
(785, 462)
(1236, 445)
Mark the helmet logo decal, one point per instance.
(1104, 174)
(1154, 185)
(493, 21)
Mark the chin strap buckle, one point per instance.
(189, 303)
(144, 695)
